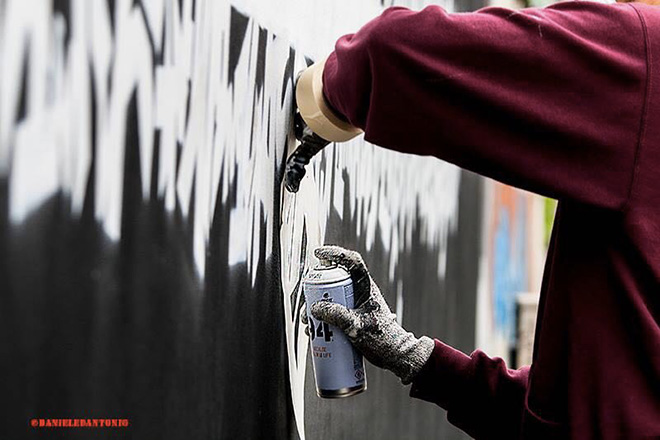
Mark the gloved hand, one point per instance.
(371, 326)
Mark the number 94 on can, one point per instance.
(338, 366)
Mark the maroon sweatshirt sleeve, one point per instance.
(481, 395)
(548, 100)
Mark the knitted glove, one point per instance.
(371, 326)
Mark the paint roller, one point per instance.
(315, 124)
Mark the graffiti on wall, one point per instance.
(509, 259)
(513, 257)
(161, 128)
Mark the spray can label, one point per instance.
(338, 366)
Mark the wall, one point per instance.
(149, 259)
(513, 254)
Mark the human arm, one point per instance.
(482, 396)
(549, 100)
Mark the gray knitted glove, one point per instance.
(371, 326)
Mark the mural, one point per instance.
(150, 261)
(514, 251)
(509, 259)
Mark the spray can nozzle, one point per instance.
(325, 263)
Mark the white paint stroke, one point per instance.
(388, 192)
(399, 302)
(313, 27)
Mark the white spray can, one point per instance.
(338, 366)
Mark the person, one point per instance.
(563, 101)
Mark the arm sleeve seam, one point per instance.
(644, 116)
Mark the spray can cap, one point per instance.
(326, 264)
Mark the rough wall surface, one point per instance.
(149, 260)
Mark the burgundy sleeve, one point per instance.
(549, 100)
(482, 397)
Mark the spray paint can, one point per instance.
(338, 366)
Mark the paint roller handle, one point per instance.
(371, 326)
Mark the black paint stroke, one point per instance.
(23, 91)
(157, 56)
(63, 8)
(111, 14)
(238, 24)
(288, 73)
(261, 60)
(155, 165)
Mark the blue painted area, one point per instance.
(510, 268)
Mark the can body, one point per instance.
(338, 366)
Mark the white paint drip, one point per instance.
(399, 302)
(313, 27)
(388, 191)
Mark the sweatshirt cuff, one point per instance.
(443, 377)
